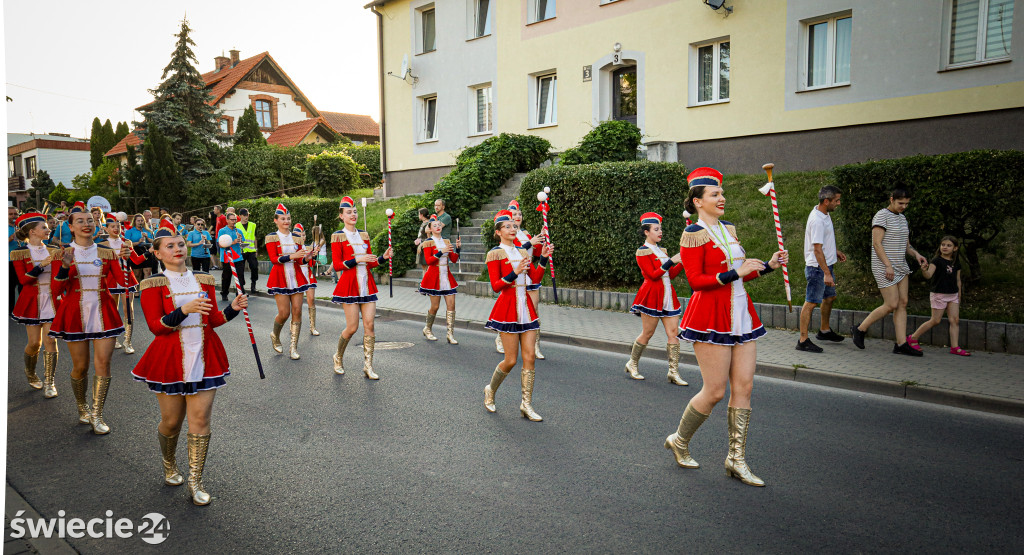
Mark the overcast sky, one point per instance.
(68, 61)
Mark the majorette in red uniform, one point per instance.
(719, 319)
(525, 240)
(355, 285)
(286, 278)
(513, 312)
(186, 357)
(114, 240)
(656, 299)
(88, 312)
(36, 304)
(309, 271)
(438, 280)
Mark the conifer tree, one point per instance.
(121, 131)
(135, 182)
(163, 181)
(108, 137)
(248, 131)
(96, 151)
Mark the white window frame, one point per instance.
(982, 34)
(830, 62)
(474, 129)
(472, 18)
(606, 2)
(534, 7)
(716, 75)
(551, 110)
(420, 31)
(424, 103)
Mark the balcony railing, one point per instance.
(16, 183)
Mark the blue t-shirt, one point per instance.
(135, 235)
(13, 242)
(196, 237)
(63, 233)
(237, 248)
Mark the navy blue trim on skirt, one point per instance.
(185, 388)
(354, 300)
(533, 287)
(714, 337)
(436, 292)
(505, 327)
(31, 321)
(639, 308)
(287, 291)
(70, 336)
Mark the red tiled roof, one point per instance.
(122, 146)
(352, 124)
(292, 134)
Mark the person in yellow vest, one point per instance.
(248, 230)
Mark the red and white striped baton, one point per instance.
(769, 190)
(543, 196)
(245, 312)
(391, 266)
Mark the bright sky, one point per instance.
(68, 61)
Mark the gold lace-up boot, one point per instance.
(168, 445)
(736, 462)
(79, 388)
(426, 329)
(679, 442)
(536, 348)
(275, 337)
(49, 374)
(450, 319)
(673, 365)
(101, 384)
(339, 363)
(633, 366)
(492, 388)
(30, 371)
(128, 348)
(296, 327)
(368, 344)
(526, 406)
(197, 448)
(498, 345)
(312, 321)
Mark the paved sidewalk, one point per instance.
(993, 382)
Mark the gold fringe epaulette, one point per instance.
(364, 235)
(106, 253)
(52, 250)
(205, 279)
(427, 243)
(272, 238)
(497, 253)
(154, 281)
(732, 231)
(21, 253)
(338, 237)
(693, 239)
(524, 252)
(644, 251)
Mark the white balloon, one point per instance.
(542, 196)
(225, 241)
(389, 212)
(121, 216)
(547, 190)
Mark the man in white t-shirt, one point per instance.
(820, 257)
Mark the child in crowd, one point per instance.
(946, 290)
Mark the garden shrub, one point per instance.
(302, 209)
(611, 141)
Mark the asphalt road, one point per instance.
(306, 461)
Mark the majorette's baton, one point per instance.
(542, 196)
(225, 243)
(769, 190)
(391, 266)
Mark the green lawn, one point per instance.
(376, 220)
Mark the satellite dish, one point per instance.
(405, 66)
(717, 5)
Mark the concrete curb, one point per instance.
(927, 394)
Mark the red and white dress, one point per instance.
(355, 285)
(720, 311)
(36, 304)
(513, 311)
(137, 259)
(286, 277)
(438, 280)
(186, 355)
(87, 310)
(525, 240)
(656, 297)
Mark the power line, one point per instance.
(64, 95)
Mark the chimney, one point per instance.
(220, 62)
(234, 57)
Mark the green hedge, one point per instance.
(970, 195)
(595, 215)
(302, 209)
(479, 173)
(611, 141)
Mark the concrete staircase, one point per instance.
(472, 258)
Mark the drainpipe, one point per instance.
(380, 85)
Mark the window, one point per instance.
(224, 129)
(428, 32)
(624, 94)
(827, 52)
(712, 72)
(30, 167)
(481, 18)
(262, 108)
(541, 10)
(429, 118)
(547, 99)
(483, 110)
(979, 30)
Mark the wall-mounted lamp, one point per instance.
(618, 47)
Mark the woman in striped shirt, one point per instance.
(890, 245)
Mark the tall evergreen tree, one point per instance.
(182, 110)
(248, 131)
(121, 131)
(96, 151)
(135, 182)
(108, 137)
(162, 174)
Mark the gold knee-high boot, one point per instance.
(368, 344)
(168, 445)
(492, 388)
(526, 406)
(426, 329)
(49, 374)
(99, 398)
(30, 371)
(736, 462)
(312, 321)
(633, 366)
(275, 337)
(79, 387)
(296, 327)
(673, 365)
(128, 348)
(536, 348)
(679, 442)
(339, 363)
(498, 345)
(197, 448)
(450, 319)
